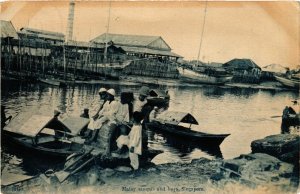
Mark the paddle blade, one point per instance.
(62, 176)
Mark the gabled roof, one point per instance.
(7, 30)
(43, 34)
(124, 39)
(243, 64)
(130, 40)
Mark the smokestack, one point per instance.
(70, 21)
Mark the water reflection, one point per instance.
(185, 148)
(29, 163)
(242, 112)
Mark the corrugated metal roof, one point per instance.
(174, 118)
(7, 29)
(149, 51)
(43, 34)
(124, 39)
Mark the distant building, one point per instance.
(140, 46)
(7, 30)
(275, 68)
(8, 33)
(269, 71)
(243, 70)
(38, 42)
(43, 35)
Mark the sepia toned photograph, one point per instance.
(150, 97)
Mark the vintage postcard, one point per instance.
(150, 96)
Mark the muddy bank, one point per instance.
(254, 173)
(199, 176)
(249, 172)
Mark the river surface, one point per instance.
(242, 112)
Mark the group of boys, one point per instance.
(118, 124)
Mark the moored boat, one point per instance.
(158, 98)
(53, 82)
(45, 135)
(199, 77)
(292, 82)
(169, 121)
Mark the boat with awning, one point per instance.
(170, 122)
(47, 135)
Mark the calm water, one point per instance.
(244, 113)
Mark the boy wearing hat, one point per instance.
(94, 110)
(106, 122)
(98, 104)
(142, 100)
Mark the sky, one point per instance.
(266, 32)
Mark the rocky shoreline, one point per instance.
(272, 167)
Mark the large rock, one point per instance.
(282, 146)
(258, 169)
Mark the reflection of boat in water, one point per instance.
(292, 82)
(201, 77)
(184, 148)
(169, 121)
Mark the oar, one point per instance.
(275, 116)
(62, 176)
(75, 161)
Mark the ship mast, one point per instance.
(107, 30)
(203, 26)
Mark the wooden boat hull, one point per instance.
(52, 82)
(184, 133)
(292, 83)
(53, 149)
(195, 77)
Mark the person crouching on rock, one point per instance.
(96, 106)
(133, 140)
